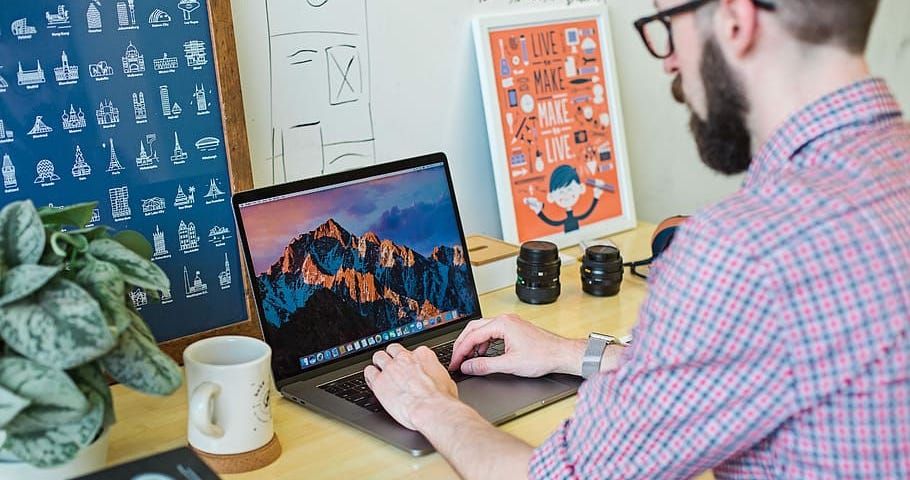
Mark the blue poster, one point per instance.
(116, 101)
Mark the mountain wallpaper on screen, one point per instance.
(355, 287)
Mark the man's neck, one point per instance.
(795, 80)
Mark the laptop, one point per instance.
(344, 264)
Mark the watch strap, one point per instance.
(594, 351)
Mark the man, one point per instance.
(774, 340)
(565, 191)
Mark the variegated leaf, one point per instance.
(60, 444)
(90, 377)
(23, 280)
(139, 364)
(61, 326)
(134, 241)
(41, 385)
(135, 269)
(105, 282)
(21, 234)
(10, 406)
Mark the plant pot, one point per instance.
(89, 459)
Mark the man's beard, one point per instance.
(722, 139)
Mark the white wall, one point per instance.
(437, 105)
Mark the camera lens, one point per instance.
(601, 271)
(538, 273)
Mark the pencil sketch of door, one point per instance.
(320, 87)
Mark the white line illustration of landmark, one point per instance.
(59, 19)
(159, 243)
(219, 234)
(179, 155)
(126, 14)
(73, 120)
(166, 296)
(188, 7)
(45, 170)
(120, 203)
(100, 69)
(139, 106)
(207, 144)
(186, 235)
(153, 206)
(40, 127)
(224, 278)
(93, 16)
(329, 129)
(139, 297)
(159, 16)
(81, 169)
(147, 158)
(214, 192)
(66, 72)
(30, 77)
(9, 174)
(194, 51)
(21, 28)
(3, 82)
(196, 288)
(201, 102)
(114, 166)
(96, 216)
(183, 200)
(165, 63)
(133, 61)
(5, 135)
(107, 113)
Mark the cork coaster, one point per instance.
(242, 462)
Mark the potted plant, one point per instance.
(67, 323)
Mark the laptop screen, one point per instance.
(351, 261)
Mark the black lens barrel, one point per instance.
(601, 271)
(538, 272)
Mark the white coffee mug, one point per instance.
(228, 381)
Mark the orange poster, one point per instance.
(557, 135)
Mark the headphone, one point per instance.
(660, 240)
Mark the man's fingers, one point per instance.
(488, 365)
(381, 358)
(466, 346)
(369, 374)
(394, 349)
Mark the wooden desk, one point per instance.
(317, 447)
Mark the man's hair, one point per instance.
(562, 176)
(819, 22)
(841, 22)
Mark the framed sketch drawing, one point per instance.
(555, 125)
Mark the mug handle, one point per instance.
(202, 409)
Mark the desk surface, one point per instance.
(324, 448)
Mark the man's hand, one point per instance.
(530, 351)
(409, 384)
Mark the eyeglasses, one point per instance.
(655, 30)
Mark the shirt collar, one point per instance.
(867, 101)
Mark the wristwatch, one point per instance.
(597, 343)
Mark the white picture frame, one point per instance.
(551, 98)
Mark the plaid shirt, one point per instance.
(774, 340)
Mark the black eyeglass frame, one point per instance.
(664, 17)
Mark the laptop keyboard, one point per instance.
(354, 389)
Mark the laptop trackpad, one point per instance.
(501, 397)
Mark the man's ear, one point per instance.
(549, 198)
(737, 26)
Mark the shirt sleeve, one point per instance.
(705, 380)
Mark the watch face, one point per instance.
(527, 103)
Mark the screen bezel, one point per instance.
(303, 186)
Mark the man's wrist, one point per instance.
(572, 356)
(426, 416)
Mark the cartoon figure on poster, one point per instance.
(565, 191)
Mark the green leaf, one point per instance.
(20, 282)
(139, 364)
(61, 326)
(59, 242)
(90, 378)
(41, 385)
(134, 241)
(92, 233)
(21, 234)
(76, 215)
(10, 405)
(59, 444)
(105, 282)
(135, 269)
